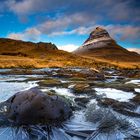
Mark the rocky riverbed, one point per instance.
(105, 105)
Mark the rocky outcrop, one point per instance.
(99, 34)
(33, 107)
(99, 44)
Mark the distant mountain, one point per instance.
(21, 48)
(101, 45)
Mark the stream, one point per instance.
(106, 109)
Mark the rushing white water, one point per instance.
(137, 90)
(7, 89)
(115, 94)
(134, 82)
(78, 121)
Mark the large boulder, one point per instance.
(33, 106)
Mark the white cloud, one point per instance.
(22, 7)
(124, 32)
(57, 28)
(127, 33)
(16, 36)
(29, 34)
(134, 49)
(60, 25)
(79, 31)
(68, 47)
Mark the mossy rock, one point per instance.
(116, 85)
(77, 79)
(81, 88)
(50, 82)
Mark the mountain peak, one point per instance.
(98, 34)
(99, 44)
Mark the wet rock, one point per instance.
(68, 73)
(83, 74)
(136, 99)
(124, 108)
(33, 106)
(116, 104)
(50, 82)
(77, 79)
(81, 88)
(23, 72)
(82, 102)
(130, 73)
(116, 85)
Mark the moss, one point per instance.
(81, 88)
(50, 82)
(77, 79)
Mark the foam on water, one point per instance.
(7, 89)
(115, 94)
(134, 81)
(137, 90)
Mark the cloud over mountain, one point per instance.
(75, 17)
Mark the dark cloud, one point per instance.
(115, 10)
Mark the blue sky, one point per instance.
(68, 23)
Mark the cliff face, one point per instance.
(21, 48)
(101, 45)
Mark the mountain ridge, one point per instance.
(23, 48)
(22, 54)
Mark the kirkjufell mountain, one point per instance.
(101, 45)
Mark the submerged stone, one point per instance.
(33, 106)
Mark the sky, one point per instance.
(67, 23)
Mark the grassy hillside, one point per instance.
(38, 55)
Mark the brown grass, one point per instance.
(51, 59)
(38, 55)
(61, 59)
(118, 64)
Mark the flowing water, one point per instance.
(89, 121)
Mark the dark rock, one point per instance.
(82, 100)
(129, 87)
(124, 108)
(130, 73)
(116, 104)
(136, 99)
(33, 106)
